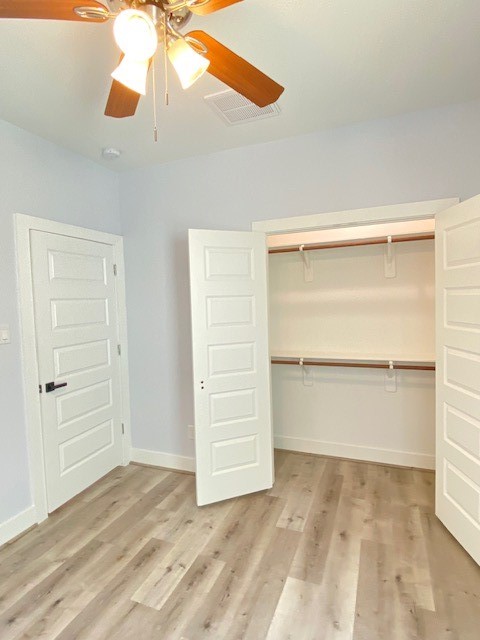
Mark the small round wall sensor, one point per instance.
(110, 153)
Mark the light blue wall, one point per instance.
(433, 154)
(40, 179)
(421, 156)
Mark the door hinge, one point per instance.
(123, 429)
(119, 349)
(39, 388)
(114, 269)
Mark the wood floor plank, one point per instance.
(113, 603)
(250, 522)
(384, 607)
(261, 595)
(313, 546)
(184, 489)
(455, 582)
(25, 579)
(172, 524)
(338, 591)
(241, 547)
(378, 520)
(58, 537)
(296, 616)
(358, 478)
(189, 596)
(285, 471)
(138, 509)
(41, 604)
(424, 488)
(299, 492)
(336, 550)
(410, 553)
(114, 478)
(155, 591)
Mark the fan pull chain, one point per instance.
(154, 87)
(165, 58)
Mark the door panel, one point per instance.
(76, 327)
(458, 372)
(233, 432)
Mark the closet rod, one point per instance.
(357, 365)
(352, 243)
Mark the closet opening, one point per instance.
(352, 341)
(370, 318)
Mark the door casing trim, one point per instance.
(355, 217)
(23, 224)
(351, 218)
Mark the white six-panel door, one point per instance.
(233, 430)
(457, 250)
(76, 334)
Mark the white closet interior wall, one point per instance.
(351, 309)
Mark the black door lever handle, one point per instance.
(51, 386)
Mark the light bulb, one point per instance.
(188, 64)
(132, 74)
(135, 34)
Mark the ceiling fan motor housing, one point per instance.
(156, 8)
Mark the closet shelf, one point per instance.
(361, 361)
(354, 243)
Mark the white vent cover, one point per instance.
(235, 109)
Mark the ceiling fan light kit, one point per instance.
(132, 74)
(138, 28)
(189, 65)
(136, 34)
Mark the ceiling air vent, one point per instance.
(235, 109)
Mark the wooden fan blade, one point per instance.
(211, 6)
(122, 102)
(237, 73)
(48, 9)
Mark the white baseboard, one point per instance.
(334, 449)
(160, 459)
(17, 525)
(357, 452)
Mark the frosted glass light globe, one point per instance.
(188, 64)
(132, 74)
(135, 34)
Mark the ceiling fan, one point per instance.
(139, 27)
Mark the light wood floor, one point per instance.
(336, 550)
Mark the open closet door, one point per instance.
(231, 366)
(458, 372)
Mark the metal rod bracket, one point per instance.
(307, 374)
(307, 264)
(390, 261)
(390, 378)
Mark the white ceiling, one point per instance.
(341, 61)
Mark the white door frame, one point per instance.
(23, 225)
(355, 217)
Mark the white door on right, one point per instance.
(458, 372)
